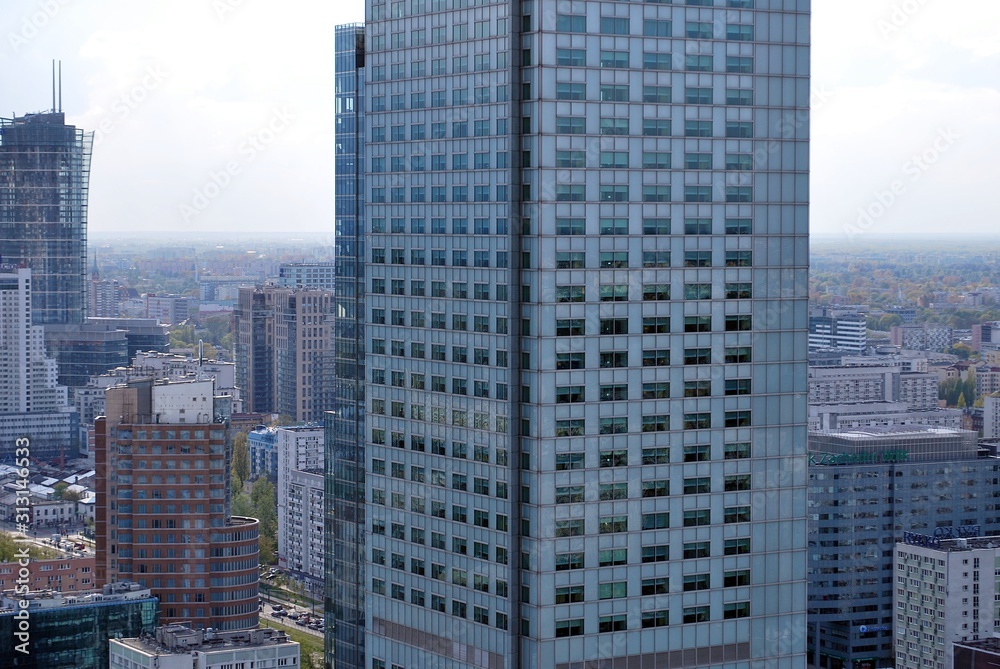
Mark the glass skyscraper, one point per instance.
(344, 448)
(585, 265)
(44, 177)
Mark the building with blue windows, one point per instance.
(585, 257)
(344, 458)
(71, 631)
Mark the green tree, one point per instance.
(969, 387)
(241, 458)
(961, 403)
(60, 489)
(265, 509)
(242, 506)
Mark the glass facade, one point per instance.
(586, 268)
(75, 636)
(344, 456)
(44, 179)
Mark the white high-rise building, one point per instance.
(945, 592)
(32, 403)
(300, 502)
(585, 327)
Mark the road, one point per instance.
(266, 615)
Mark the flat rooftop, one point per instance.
(179, 638)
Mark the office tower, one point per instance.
(71, 630)
(302, 342)
(32, 403)
(163, 515)
(44, 177)
(344, 447)
(283, 348)
(586, 334)
(255, 348)
(869, 488)
(946, 593)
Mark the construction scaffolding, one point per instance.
(44, 180)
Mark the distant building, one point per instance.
(71, 631)
(986, 336)
(66, 575)
(283, 350)
(946, 591)
(180, 647)
(141, 334)
(908, 314)
(307, 275)
(86, 350)
(263, 452)
(862, 393)
(33, 404)
(922, 337)
(247, 422)
(105, 298)
(169, 309)
(987, 381)
(867, 487)
(991, 417)
(163, 516)
(224, 289)
(843, 385)
(837, 330)
(255, 349)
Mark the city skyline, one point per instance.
(910, 84)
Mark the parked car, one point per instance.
(279, 613)
(294, 615)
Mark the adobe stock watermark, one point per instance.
(225, 7)
(914, 169)
(219, 180)
(123, 106)
(901, 14)
(22, 516)
(33, 23)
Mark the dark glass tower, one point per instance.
(44, 176)
(344, 441)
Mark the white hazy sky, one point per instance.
(179, 90)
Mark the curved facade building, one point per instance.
(163, 456)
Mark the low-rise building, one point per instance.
(878, 414)
(838, 329)
(70, 574)
(72, 631)
(180, 647)
(982, 654)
